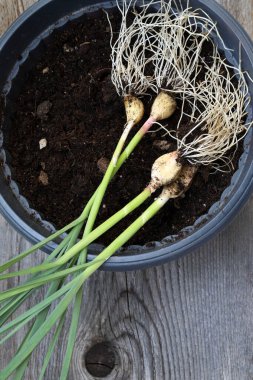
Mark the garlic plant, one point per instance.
(179, 37)
(159, 51)
(128, 56)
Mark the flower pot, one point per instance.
(15, 46)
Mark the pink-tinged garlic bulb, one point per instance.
(163, 107)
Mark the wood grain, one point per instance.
(189, 319)
(10, 10)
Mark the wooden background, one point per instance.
(189, 319)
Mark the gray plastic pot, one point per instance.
(15, 46)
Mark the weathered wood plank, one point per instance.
(190, 319)
(10, 10)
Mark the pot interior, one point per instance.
(16, 208)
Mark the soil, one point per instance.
(65, 126)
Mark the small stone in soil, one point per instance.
(102, 164)
(67, 48)
(45, 70)
(43, 143)
(43, 178)
(43, 109)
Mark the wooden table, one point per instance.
(191, 319)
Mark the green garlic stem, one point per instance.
(83, 254)
(19, 374)
(131, 146)
(59, 251)
(129, 149)
(35, 310)
(126, 235)
(30, 345)
(77, 284)
(76, 226)
(72, 334)
(131, 206)
(59, 274)
(52, 345)
(70, 240)
(134, 142)
(107, 178)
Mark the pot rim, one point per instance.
(135, 259)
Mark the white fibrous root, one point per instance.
(134, 109)
(165, 170)
(129, 56)
(160, 49)
(179, 36)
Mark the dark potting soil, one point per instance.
(68, 100)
